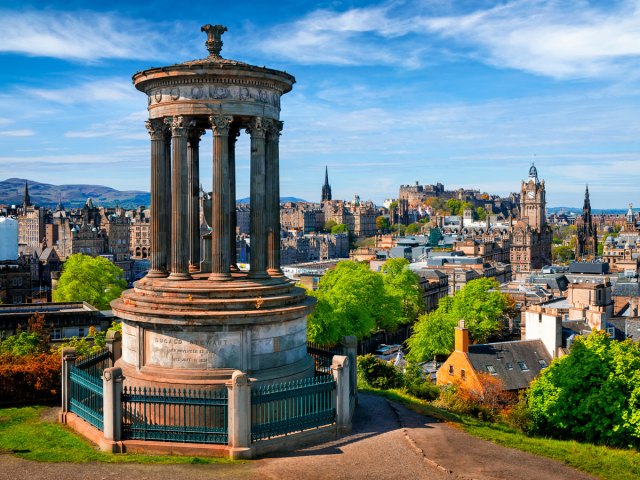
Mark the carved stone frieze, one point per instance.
(217, 91)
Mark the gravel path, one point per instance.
(388, 441)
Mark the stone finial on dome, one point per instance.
(214, 38)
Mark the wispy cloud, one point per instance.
(17, 133)
(128, 127)
(89, 91)
(559, 39)
(83, 36)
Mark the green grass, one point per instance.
(603, 462)
(26, 435)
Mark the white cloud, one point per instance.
(17, 133)
(81, 36)
(129, 127)
(90, 90)
(560, 39)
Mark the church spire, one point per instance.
(26, 202)
(326, 188)
(586, 207)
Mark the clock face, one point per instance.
(531, 194)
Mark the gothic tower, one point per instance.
(326, 188)
(586, 235)
(26, 202)
(533, 201)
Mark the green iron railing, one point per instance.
(86, 396)
(293, 406)
(323, 356)
(172, 415)
(95, 363)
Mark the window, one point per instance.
(523, 366)
(509, 366)
(56, 334)
(491, 369)
(463, 374)
(543, 363)
(451, 372)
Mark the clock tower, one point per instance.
(531, 236)
(532, 201)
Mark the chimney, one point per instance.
(461, 338)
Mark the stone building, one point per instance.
(434, 285)
(301, 216)
(116, 227)
(15, 282)
(31, 225)
(300, 248)
(622, 253)
(531, 236)
(139, 233)
(586, 232)
(359, 217)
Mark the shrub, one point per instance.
(377, 373)
(29, 377)
(424, 390)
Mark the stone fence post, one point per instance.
(112, 403)
(68, 359)
(340, 369)
(114, 344)
(350, 344)
(239, 412)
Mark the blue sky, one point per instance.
(467, 93)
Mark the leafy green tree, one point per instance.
(351, 301)
(382, 223)
(562, 254)
(341, 228)
(412, 229)
(94, 280)
(328, 225)
(481, 214)
(404, 284)
(592, 394)
(479, 303)
(400, 228)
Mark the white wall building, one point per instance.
(8, 238)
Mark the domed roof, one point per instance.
(533, 172)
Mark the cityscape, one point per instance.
(340, 241)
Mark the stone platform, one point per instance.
(196, 333)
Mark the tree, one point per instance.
(94, 280)
(404, 284)
(481, 214)
(400, 228)
(328, 225)
(351, 301)
(341, 228)
(412, 229)
(592, 394)
(382, 223)
(479, 303)
(562, 254)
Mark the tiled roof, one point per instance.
(515, 363)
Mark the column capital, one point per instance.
(274, 129)
(220, 124)
(156, 128)
(193, 136)
(257, 127)
(179, 125)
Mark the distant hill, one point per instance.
(47, 195)
(598, 211)
(282, 200)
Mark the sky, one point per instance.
(466, 93)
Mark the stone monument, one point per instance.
(190, 323)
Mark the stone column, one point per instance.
(159, 195)
(350, 344)
(179, 196)
(239, 411)
(340, 369)
(193, 206)
(111, 403)
(273, 199)
(258, 228)
(68, 359)
(233, 221)
(165, 186)
(114, 344)
(220, 256)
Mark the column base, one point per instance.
(179, 276)
(275, 272)
(194, 268)
(219, 277)
(258, 275)
(157, 274)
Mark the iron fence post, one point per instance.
(68, 359)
